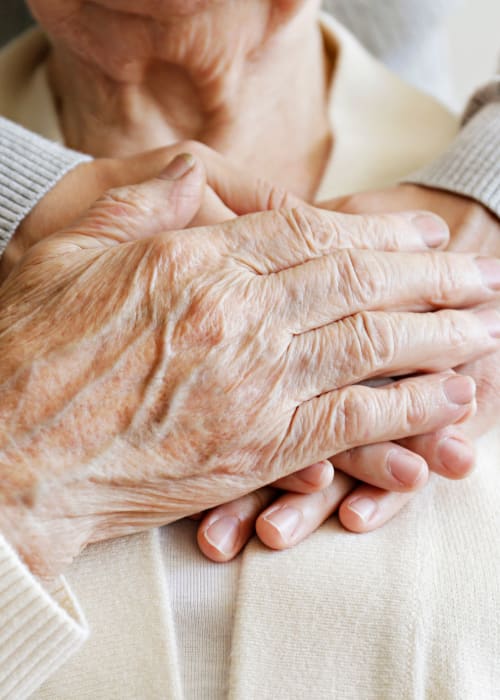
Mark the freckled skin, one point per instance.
(121, 374)
(145, 380)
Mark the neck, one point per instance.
(262, 101)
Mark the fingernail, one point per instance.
(490, 271)
(404, 467)
(317, 473)
(286, 520)
(457, 457)
(178, 167)
(491, 320)
(432, 228)
(364, 508)
(460, 390)
(223, 534)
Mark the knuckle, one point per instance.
(271, 196)
(444, 272)
(361, 279)
(416, 408)
(318, 232)
(172, 258)
(173, 249)
(374, 341)
(454, 328)
(381, 229)
(209, 305)
(345, 421)
(300, 226)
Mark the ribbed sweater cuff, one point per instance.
(471, 166)
(29, 167)
(39, 630)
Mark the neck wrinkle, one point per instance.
(264, 105)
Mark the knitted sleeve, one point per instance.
(471, 165)
(40, 627)
(29, 167)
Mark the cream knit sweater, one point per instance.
(301, 628)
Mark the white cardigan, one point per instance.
(409, 611)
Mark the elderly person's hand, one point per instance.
(144, 380)
(83, 186)
(474, 230)
(284, 521)
(449, 452)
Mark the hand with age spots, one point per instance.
(198, 367)
(373, 482)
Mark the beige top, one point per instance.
(409, 611)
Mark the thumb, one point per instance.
(244, 193)
(238, 191)
(129, 213)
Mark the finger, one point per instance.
(225, 530)
(373, 344)
(396, 199)
(245, 193)
(212, 210)
(368, 508)
(447, 452)
(238, 189)
(314, 478)
(362, 415)
(487, 377)
(386, 465)
(373, 201)
(323, 290)
(277, 240)
(293, 517)
(197, 516)
(83, 186)
(128, 213)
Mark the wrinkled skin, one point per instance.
(144, 380)
(447, 452)
(473, 230)
(218, 72)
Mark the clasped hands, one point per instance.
(163, 371)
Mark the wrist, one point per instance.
(46, 544)
(473, 227)
(55, 210)
(73, 194)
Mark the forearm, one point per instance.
(471, 165)
(30, 166)
(40, 625)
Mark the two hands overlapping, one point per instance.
(278, 348)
